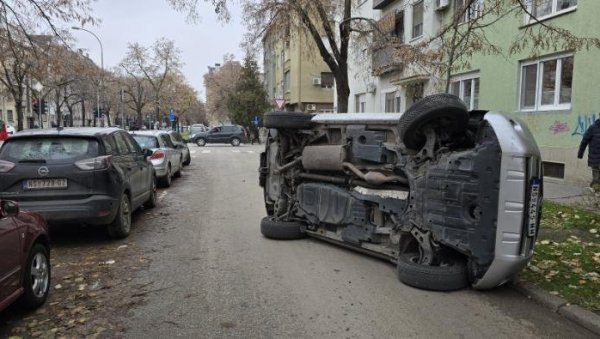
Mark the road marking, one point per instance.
(162, 195)
(251, 152)
(192, 151)
(236, 151)
(206, 151)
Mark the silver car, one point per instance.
(166, 158)
(452, 197)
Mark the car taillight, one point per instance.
(94, 163)
(6, 166)
(157, 155)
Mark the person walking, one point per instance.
(591, 140)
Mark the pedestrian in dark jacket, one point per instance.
(591, 139)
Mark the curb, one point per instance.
(575, 313)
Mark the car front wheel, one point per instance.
(37, 277)
(200, 142)
(235, 142)
(449, 275)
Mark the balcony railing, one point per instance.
(384, 61)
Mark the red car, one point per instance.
(24, 256)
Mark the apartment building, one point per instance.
(294, 71)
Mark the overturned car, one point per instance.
(452, 197)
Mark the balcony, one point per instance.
(383, 61)
(381, 4)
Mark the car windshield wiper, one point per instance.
(33, 161)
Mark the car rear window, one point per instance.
(146, 141)
(49, 149)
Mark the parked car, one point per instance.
(453, 197)
(166, 158)
(95, 176)
(24, 257)
(230, 134)
(10, 130)
(181, 145)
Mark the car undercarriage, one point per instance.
(452, 197)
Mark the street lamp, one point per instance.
(101, 66)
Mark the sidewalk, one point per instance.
(564, 193)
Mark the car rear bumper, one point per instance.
(95, 210)
(521, 164)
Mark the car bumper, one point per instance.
(95, 210)
(160, 168)
(521, 164)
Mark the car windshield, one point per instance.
(49, 149)
(146, 141)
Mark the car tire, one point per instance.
(235, 142)
(287, 120)
(121, 226)
(151, 202)
(167, 179)
(450, 277)
(178, 173)
(188, 160)
(37, 279)
(281, 230)
(448, 109)
(200, 142)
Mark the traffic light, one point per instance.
(44, 107)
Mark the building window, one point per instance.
(546, 84)
(392, 102)
(466, 87)
(399, 26)
(473, 11)
(554, 169)
(360, 103)
(417, 18)
(286, 82)
(9, 116)
(327, 79)
(541, 9)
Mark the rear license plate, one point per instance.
(42, 184)
(534, 200)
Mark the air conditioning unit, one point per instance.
(316, 81)
(441, 4)
(371, 88)
(311, 107)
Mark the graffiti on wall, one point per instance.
(583, 122)
(559, 127)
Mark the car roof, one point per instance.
(68, 132)
(149, 132)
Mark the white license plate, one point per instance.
(40, 184)
(534, 199)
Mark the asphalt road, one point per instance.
(212, 274)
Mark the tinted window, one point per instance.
(228, 129)
(166, 140)
(109, 144)
(133, 146)
(176, 137)
(146, 141)
(50, 150)
(121, 144)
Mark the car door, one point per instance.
(128, 165)
(142, 173)
(10, 256)
(173, 152)
(214, 135)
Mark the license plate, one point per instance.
(534, 200)
(41, 184)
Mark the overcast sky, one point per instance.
(202, 44)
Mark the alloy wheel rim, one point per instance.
(39, 275)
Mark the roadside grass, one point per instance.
(567, 255)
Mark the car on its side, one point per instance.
(95, 176)
(228, 134)
(166, 158)
(24, 257)
(181, 145)
(452, 197)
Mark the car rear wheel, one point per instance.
(151, 202)
(281, 230)
(450, 275)
(289, 120)
(235, 142)
(188, 160)
(167, 179)
(178, 173)
(37, 277)
(444, 112)
(200, 142)
(121, 226)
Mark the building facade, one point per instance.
(295, 73)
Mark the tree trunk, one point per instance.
(342, 90)
(83, 112)
(19, 108)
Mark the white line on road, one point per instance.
(206, 151)
(235, 150)
(192, 151)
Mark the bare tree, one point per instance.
(219, 83)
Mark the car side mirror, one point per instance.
(147, 152)
(9, 208)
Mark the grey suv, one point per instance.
(452, 197)
(78, 175)
(229, 134)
